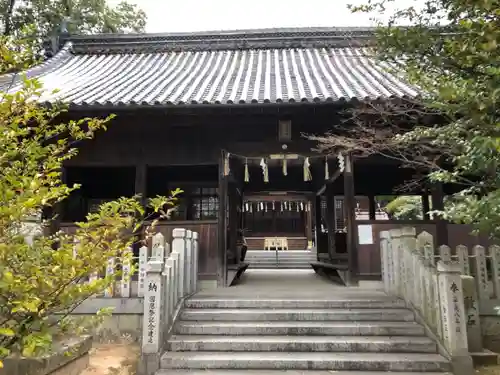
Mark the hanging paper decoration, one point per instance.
(307, 170)
(298, 207)
(273, 205)
(327, 170)
(285, 205)
(265, 207)
(302, 206)
(247, 174)
(226, 164)
(246, 207)
(341, 160)
(282, 206)
(265, 170)
(285, 167)
(251, 207)
(261, 206)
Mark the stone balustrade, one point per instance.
(434, 289)
(169, 277)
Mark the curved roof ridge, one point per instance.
(222, 40)
(10, 80)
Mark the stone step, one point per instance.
(280, 266)
(317, 328)
(344, 303)
(280, 261)
(298, 314)
(382, 344)
(305, 361)
(286, 372)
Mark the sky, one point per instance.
(198, 15)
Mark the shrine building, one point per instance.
(223, 116)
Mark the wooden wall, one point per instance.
(369, 255)
(207, 232)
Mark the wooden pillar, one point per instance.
(317, 224)
(330, 220)
(233, 222)
(308, 218)
(54, 213)
(352, 228)
(372, 208)
(140, 188)
(437, 197)
(141, 182)
(425, 206)
(222, 232)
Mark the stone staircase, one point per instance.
(352, 333)
(266, 259)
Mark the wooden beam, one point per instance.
(372, 208)
(352, 228)
(140, 188)
(308, 221)
(437, 198)
(329, 181)
(425, 206)
(330, 221)
(141, 182)
(222, 230)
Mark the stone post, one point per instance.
(166, 274)
(143, 260)
(384, 255)
(188, 260)
(179, 247)
(195, 261)
(494, 251)
(471, 304)
(452, 308)
(110, 272)
(172, 285)
(175, 290)
(158, 247)
(409, 244)
(482, 281)
(126, 268)
(153, 307)
(398, 261)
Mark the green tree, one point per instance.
(79, 16)
(40, 286)
(450, 50)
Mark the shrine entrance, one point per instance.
(272, 209)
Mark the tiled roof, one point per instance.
(210, 68)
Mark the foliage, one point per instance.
(42, 282)
(79, 16)
(450, 51)
(405, 207)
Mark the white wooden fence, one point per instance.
(439, 284)
(168, 279)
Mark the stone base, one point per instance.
(484, 358)
(57, 363)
